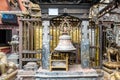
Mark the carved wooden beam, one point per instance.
(112, 5)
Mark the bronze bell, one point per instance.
(65, 44)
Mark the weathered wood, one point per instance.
(21, 43)
(24, 36)
(56, 59)
(28, 37)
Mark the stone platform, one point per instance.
(75, 72)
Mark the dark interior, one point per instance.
(5, 37)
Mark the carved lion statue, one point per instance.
(5, 66)
(3, 63)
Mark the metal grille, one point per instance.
(94, 44)
(32, 35)
(30, 40)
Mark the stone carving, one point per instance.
(6, 68)
(14, 43)
(111, 37)
(13, 4)
(31, 8)
(93, 12)
(112, 51)
(3, 62)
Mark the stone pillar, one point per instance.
(85, 58)
(118, 34)
(46, 45)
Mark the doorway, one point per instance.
(5, 37)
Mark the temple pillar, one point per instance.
(46, 45)
(85, 58)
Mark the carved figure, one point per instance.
(112, 51)
(31, 8)
(6, 67)
(3, 63)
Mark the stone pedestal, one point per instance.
(75, 73)
(25, 75)
(13, 58)
(31, 66)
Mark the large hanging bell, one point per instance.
(65, 44)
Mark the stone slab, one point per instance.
(75, 73)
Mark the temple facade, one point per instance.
(59, 40)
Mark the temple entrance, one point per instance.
(5, 37)
(74, 32)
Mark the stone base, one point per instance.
(13, 58)
(75, 73)
(31, 66)
(25, 75)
